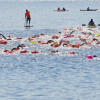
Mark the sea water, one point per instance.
(48, 76)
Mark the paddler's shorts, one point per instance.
(28, 18)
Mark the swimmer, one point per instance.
(66, 43)
(18, 47)
(49, 41)
(94, 39)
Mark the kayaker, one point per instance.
(88, 8)
(63, 9)
(91, 23)
(58, 9)
(27, 17)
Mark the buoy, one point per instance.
(89, 57)
(3, 42)
(23, 51)
(34, 52)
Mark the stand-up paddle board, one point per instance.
(28, 26)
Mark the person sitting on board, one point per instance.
(88, 9)
(27, 17)
(63, 9)
(58, 9)
(91, 23)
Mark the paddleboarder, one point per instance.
(88, 9)
(27, 17)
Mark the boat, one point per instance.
(60, 10)
(28, 26)
(89, 10)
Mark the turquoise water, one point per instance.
(47, 76)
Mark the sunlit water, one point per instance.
(48, 76)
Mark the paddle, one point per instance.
(25, 24)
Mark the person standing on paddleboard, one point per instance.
(27, 17)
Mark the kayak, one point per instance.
(89, 10)
(60, 10)
(28, 26)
